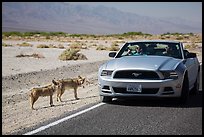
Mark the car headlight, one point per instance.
(106, 73)
(170, 75)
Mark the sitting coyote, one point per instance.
(48, 90)
(67, 84)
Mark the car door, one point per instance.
(192, 67)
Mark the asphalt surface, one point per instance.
(136, 117)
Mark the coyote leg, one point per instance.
(75, 93)
(51, 101)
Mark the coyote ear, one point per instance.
(54, 82)
(82, 80)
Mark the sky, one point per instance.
(186, 10)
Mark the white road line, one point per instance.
(62, 120)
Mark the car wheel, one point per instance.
(185, 91)
(106, 99)
(195, 89)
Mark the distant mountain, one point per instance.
(59, 16)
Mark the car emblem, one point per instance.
(136, 74)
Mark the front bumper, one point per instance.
(150, 88)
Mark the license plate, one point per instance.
(134, 88)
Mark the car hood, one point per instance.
(143, 63)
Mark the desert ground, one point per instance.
(19, 75)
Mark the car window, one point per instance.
(151, 48)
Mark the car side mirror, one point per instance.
(112, 54)
(191, 55)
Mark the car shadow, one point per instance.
(193, 101)
(66, 102)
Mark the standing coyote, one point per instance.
(67, 84)
(42, 91)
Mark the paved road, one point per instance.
(149, 117)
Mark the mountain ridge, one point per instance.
(66, 17)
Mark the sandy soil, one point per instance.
(19, 75)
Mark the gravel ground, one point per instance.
(19, 75)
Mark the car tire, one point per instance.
(195, 89)
(185, 91)
(106, 99)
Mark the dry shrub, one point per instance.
(25, 44)
(75, 46)
(101, 47)
(179, 38)
(43, 46)
(93, 45)
(78, 46)
(84, 47)
(52, 46)
(114, 47)
(72, 54)
(114, 44)
(60, 46)
(192, 46)
(46, 46)
(6, 45)
(34, 55)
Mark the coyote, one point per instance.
(42, 91)
(65, 84)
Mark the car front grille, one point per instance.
(144, 90)
(136, 74)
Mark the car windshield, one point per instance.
(151, 48)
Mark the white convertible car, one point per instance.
(152, 68)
